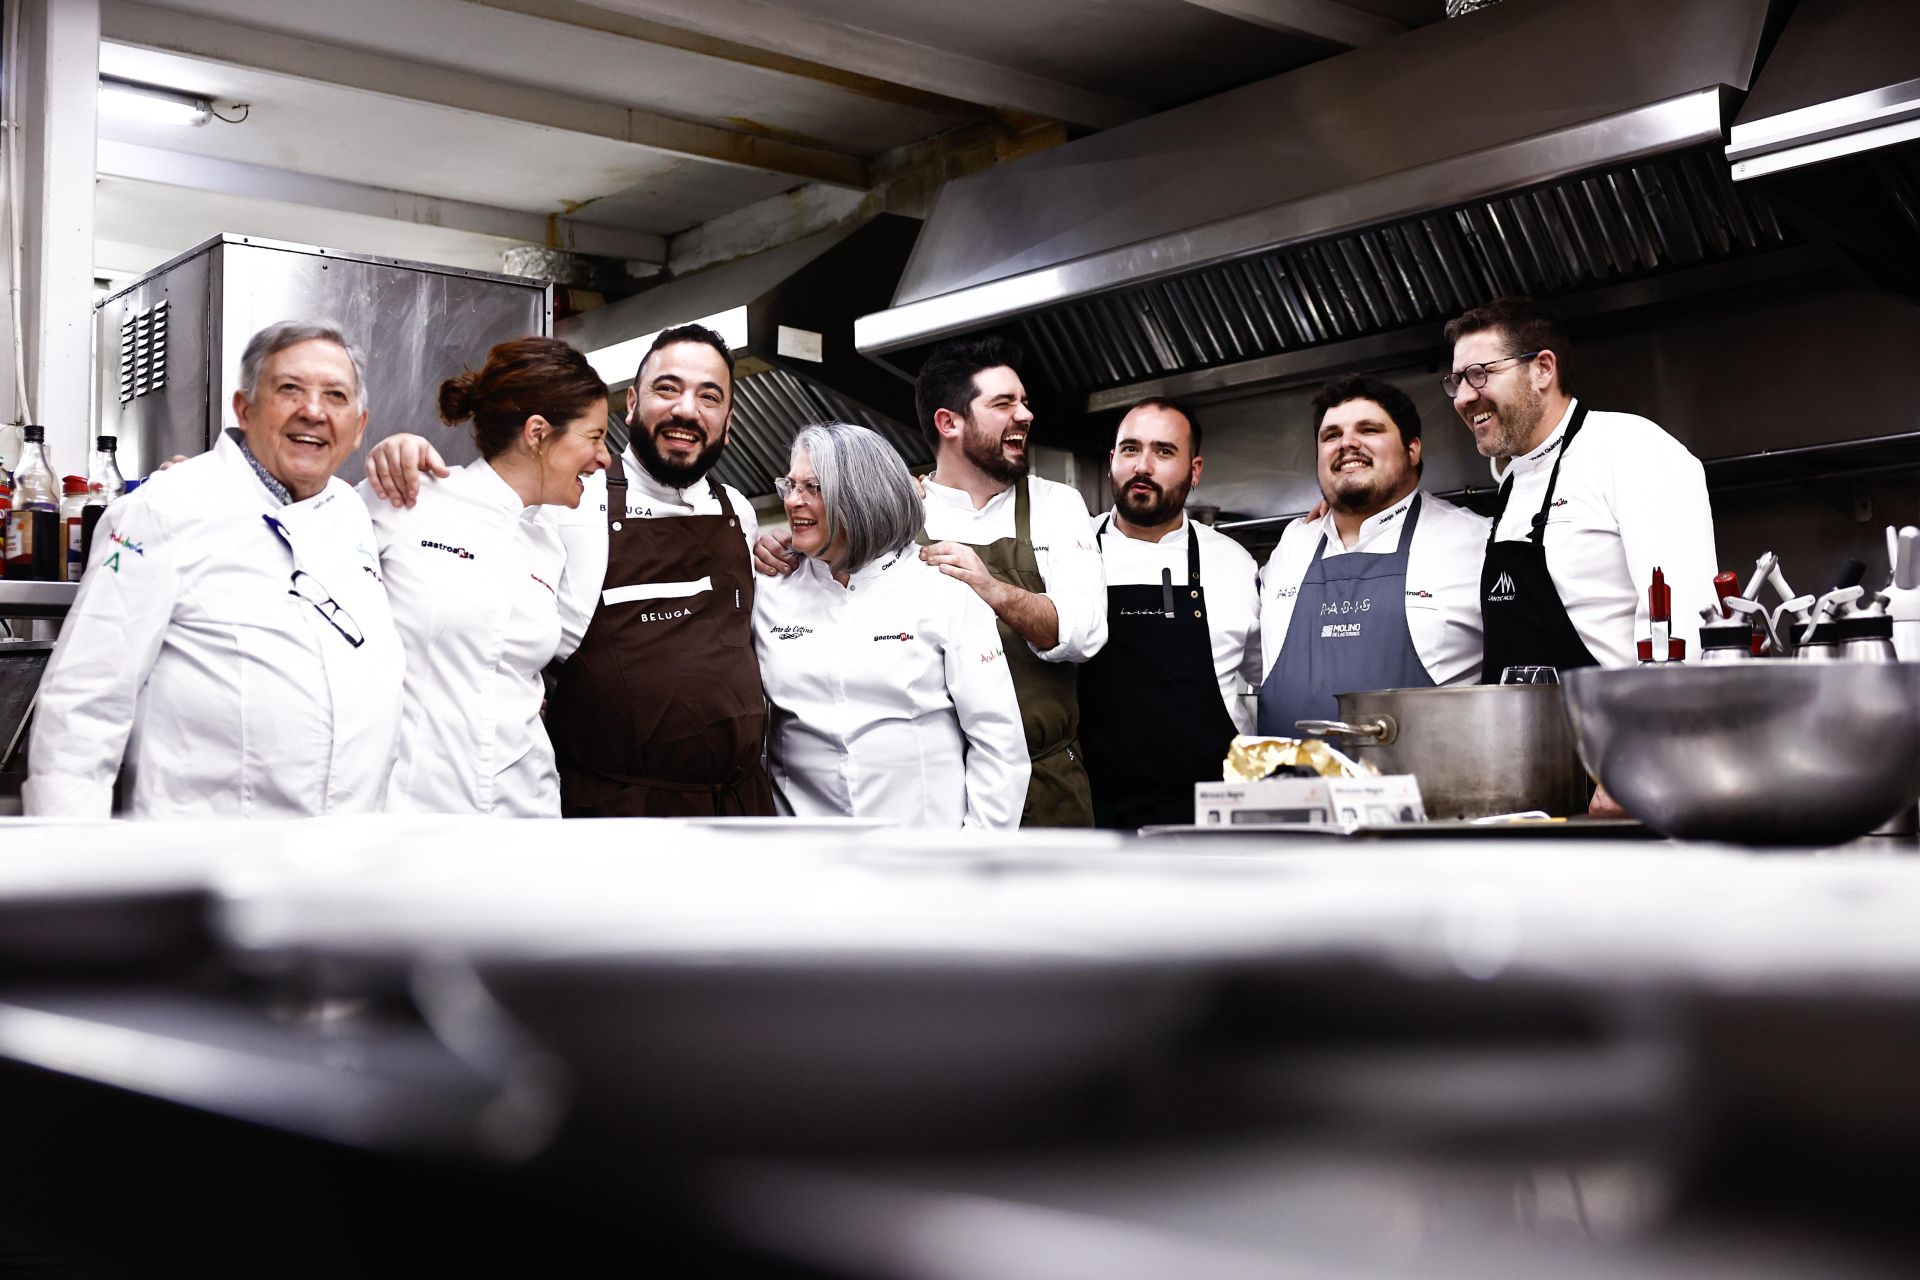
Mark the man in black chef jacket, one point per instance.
(1591, 502)
(1159, 704)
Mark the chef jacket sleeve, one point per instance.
(1660, 500)
(582, 573)
(1076, 576)
(107, 648)
(981, 687)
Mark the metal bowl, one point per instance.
(1760, 753)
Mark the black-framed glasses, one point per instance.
(1476, 375)
(310, 589)
(785, 485)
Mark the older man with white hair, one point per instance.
(231, 639)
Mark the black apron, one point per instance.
(1348, 634)
(1526, 622)
(1151, 714)
(658, 713)
(1057, 790)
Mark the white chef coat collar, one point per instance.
(1371, 525)
(1177, 534)
(641, 480)
(490, 487)
(233, 446)
(949, 496)
(875, 569)
(1540, 457)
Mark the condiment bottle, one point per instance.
(34, 547)
(71, 505)
(103, 486)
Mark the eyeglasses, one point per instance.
(308, 588)
(1475, 375)
(784, 486)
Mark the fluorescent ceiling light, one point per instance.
(152, 104)
(619, 362)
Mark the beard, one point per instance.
(675, 475)
(1156, 507)
(1515, 424)
(986, 452)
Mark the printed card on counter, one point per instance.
(1342, 802)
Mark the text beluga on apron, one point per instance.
(1525, 620)
(1151, 713)
(1058, 794)
(659, 712)
(1348, 635)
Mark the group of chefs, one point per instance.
(559, 630)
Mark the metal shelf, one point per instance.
(37, 599)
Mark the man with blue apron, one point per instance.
(1348, 634)
(1362, 619)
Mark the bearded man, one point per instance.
(1161, 702)
(658, 710)
(1383, 591)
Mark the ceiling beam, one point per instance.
(220, 40)
(774, 29)
(261, 182)
(1327, 20)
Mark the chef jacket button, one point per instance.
(616, 526)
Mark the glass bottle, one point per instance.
(34, 547)
(104, 484)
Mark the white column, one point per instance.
(59, 76)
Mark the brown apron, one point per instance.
(658, 713)
(1058, 794)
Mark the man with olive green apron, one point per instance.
(1058, 794)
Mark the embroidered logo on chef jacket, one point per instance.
(1503, 588)
(462, 552)
(1419, 595)
(1558, 502)
(789, 633)
(122, 540)
(903, 635)
(997, 652)
(1392, 515)
(1339, 630)
(1547, 448)
(1285, 593)
(543, 582)
(1142, 613)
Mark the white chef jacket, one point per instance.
(1232, 582)
(1443, 581)
(890, 697)
(1062, 546)
(1630, 498)
(472, 572)
(583, 531)
(187, 652)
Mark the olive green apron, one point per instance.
(1058, 794)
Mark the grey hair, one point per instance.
(275, 338)
(865, 489)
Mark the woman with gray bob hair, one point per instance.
(887, 679)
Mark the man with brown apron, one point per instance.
(1024, 544)
(657, 709)
(1160, 703)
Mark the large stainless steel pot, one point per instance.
(1475, 749)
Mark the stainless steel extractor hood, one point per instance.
(1831, 133)
(1541, 146)
(788, 315)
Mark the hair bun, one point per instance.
(456, 398)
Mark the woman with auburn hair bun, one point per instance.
(472, 570)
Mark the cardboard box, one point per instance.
(1345, 802)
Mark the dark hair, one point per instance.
(1524, 323)
(690, 333)
(1171, 406)
(521, 378)
(946, 379)
(1355, 386)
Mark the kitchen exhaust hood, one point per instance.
(1831, 133)
(1552, 147)
(788, 315)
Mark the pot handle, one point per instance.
(1377, 732)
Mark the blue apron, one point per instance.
(1348, 635)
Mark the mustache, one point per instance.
(684, 424)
